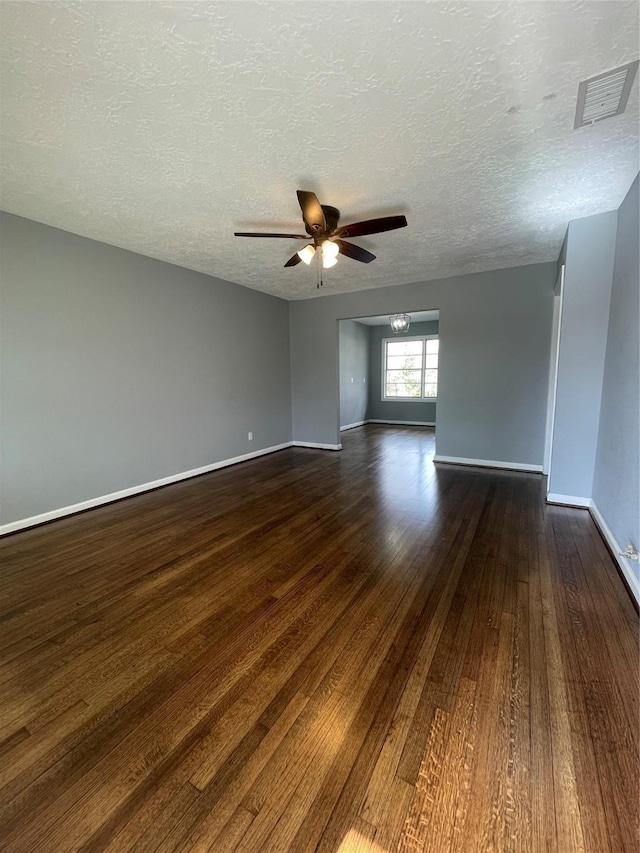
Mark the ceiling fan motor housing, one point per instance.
(332, 217)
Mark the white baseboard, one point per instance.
(569, 500)
(12, 526)
(316, 445)
(489, 463)
(402, 423)
(629, 575)
(380, 421)
(351, 426)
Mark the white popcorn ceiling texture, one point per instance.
(163, 127)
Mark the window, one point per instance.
(410, 368)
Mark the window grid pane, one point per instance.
(403, 362)
(404, 376)
(411, 369)
(404, 348)
(403, 390)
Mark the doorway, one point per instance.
(387, 377)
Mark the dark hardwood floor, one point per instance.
(354, 651)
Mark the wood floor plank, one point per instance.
(223, 796)
(437, 811)
(614, 742)
(320, 652)
(118, 773)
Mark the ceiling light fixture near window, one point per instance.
(605, 95)
(400, 323)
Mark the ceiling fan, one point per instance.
(321, 224)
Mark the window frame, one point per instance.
(422, 398)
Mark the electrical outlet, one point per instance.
(630, 552)
(250, 436)
(352, 380)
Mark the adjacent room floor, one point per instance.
(354, 651)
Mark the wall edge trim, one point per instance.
(401, 423)
(631, 581)
(316, 445)
(488, 463)
(568, 500)
(351, 426)
(72, 509)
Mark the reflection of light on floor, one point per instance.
(407, 473)
(355, 842)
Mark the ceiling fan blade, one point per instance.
(355, 252)
(282, 236)
(312, 211)
(293, 261)
(372, 226)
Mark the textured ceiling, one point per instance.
(163, 127)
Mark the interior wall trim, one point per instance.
(401, 423)
(489, 463)
(631, 580)
(53, 514)
(384, 421)
(316, 445)
(351, 426)
(569, 500)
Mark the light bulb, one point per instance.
(328, 262)
(307, 253)
(330, 250)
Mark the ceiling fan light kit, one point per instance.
(307, 254)
(329, 254)
(330, 250)
(321, 224)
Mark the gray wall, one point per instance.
(589, 256)
(395, 410)
(354, 372)
(494, 329)
(118, 369)
(616, 487)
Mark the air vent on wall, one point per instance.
(605, 95)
